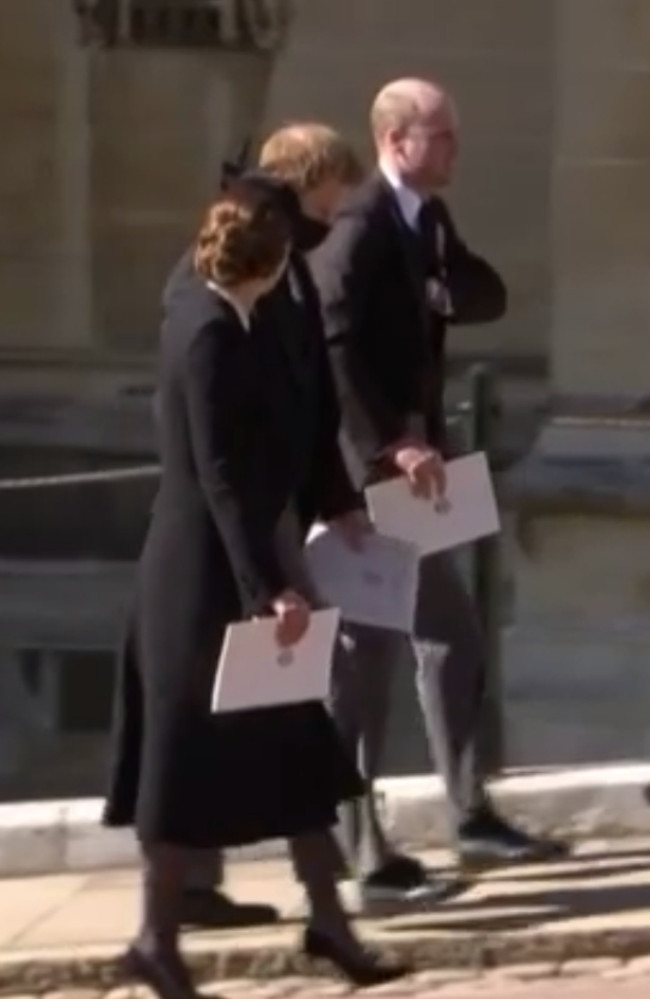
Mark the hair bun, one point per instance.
(245, 235)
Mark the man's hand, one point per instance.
(292, 613)
(354, 527)
(422, 466)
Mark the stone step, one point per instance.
(52, 837)
(67, 932)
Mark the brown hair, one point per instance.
(244, 237)
(308, 154)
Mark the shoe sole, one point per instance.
(480, 863)
(377, 904)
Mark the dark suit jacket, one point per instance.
(292, 312)
(387, 344)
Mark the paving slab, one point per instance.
(24, 903)
(67, 931)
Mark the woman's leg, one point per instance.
(317, 860)
(163, 868)
(330, 936)
(155, 954)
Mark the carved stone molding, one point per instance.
(267, 22)
(240, 25)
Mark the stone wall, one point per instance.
(114, 153)
(497, 58)
(577, 684)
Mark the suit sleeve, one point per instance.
(345, 271)
(332, 487)
(477, 293)
(212, 373)
(335, 493)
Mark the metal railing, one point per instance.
(481, 410)
(80, 478)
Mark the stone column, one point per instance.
(601, 199)
(30, 237)
(74, 287)
(577, 680)
(237, 98)
(162, 121)
(44, 273)
(149, 183)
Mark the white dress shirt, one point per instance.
(410, 203)
(408, 200)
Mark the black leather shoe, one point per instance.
(488, 841)
(403, 885)
(400, 872)
(364, 971)
(213, 910)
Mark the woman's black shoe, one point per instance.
(162, 978)
(364, 972)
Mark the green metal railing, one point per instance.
(481, 411)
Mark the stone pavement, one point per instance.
(597, 984)
(63, 933)
(527, 982)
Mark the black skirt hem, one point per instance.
(224, 838)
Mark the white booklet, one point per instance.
(255, 672)
(468, 512)
(375, 586)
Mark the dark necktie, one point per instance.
(430, 235)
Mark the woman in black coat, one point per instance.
(234, 454)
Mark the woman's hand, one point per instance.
(292, 613)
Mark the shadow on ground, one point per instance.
(588, 887)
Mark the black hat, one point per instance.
(279, 192)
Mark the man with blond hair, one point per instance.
(310, 168)
(393, 274)
(319, 165)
